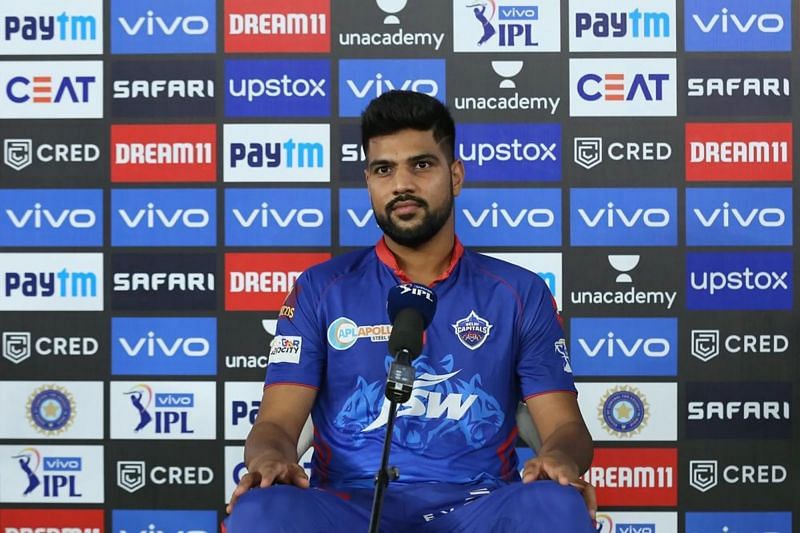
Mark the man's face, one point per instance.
(411, 185)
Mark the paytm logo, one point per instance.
(738, 26)
(623, 217)
(357, 226)
(163, 217)
(70, 27)
(164, 346)
(747, 217)
(510, 152)
(764, 522)
(277, 152)
(51, 217)
(277, 217)
(51, 282)
(628, 28)
(509, 217)
(277, 88)
(624, 346)
(152, 521)
(153, 27)
(623, 87)
(62, 89)
(756, 280)
(361, 80)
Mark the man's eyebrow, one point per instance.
(381, 163)
(420, 157)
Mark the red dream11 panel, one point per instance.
(635, 477)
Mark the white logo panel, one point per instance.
(610, 522)
(622, 26)
(510, 26)
(51, 89)
(53, 28)
(242, 400)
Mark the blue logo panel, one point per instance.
(509, 217)
(510, 152)
(361, 80)
(51, 217)
(743, 26)
(163, 521)
(747, 217)
(277, 217)
(739, 281)
(623, 217)
(772, 522)
(357, 226)
(164, 346)
(154, 27)
(277, 88)
(624, 346)
(163, 217)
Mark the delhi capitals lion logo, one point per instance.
(472, 331)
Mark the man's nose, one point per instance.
(404, 181)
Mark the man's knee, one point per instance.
(266, 510)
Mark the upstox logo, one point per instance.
(623, 217)
(623, 87)
(277, 152)
(632, 26)
(742, 216)
(739, 280)
(68, 27)
(51, 282)
(361, 80)
(738, 26)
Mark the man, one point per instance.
(495, 338)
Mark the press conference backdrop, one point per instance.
(170, 167)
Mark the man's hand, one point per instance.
(559, 467)
(268, 470)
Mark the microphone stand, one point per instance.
(399, 384)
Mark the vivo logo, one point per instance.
(152, 24)
(39, 217)
(305, 218)
(611, 346)
(154, 217)
(153, 345)
(653, 217)
(498, 216)
(174, 400)
(362, 221)
(768, 217)
(636, 528)
(378, 86)
(62, 464)
(765, 23)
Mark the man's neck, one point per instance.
(429, 261)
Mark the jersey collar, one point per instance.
(387, 258)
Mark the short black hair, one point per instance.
(394, 111)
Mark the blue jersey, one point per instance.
(495, 339)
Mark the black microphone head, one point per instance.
(407, 333)
(412, 296)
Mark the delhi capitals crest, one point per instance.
(472, 331)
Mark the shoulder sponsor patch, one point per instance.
(285, 349)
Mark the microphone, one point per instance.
(411, 308)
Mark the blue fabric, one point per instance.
(538, 507)
(495, 339)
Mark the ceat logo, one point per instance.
(261, 282)
(52, 521)
(259, 26)
(739, 152)
(157, 153)
(635, 477)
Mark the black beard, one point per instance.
(432, 222)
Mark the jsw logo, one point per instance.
(614, 216)
(611, 346)
(40, 217)
(378, 86)
(264, 216)
(153, 217)
(428, 404)
(496, 215)
(768, 217)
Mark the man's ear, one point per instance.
(457, 176)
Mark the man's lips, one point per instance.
(405, 207)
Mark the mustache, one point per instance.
(405, 198)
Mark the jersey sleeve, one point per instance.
(543, 363)
(297, 353)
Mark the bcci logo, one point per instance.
(51, 410)
(18, 153)
(130, 475)
(705, 344)
(16, 346)
(703, 475)
(472, 331)
(623, 411)
(588, 151)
